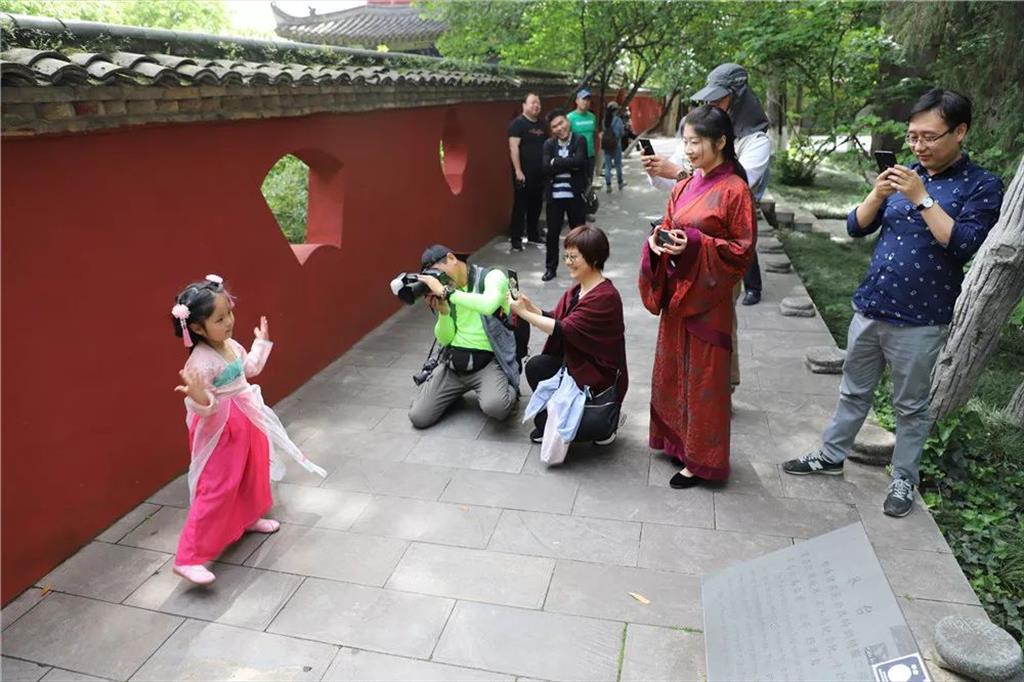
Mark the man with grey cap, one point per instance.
(479, 350)
(727, 89)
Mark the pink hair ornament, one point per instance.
(181, 312)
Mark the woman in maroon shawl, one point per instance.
(687, 271)
(586, 332)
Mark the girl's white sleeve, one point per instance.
(257, 356)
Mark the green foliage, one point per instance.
(792, 167)
(207, 16)
(836, 190)
(972, 47)
(623, 41)
(286, 189)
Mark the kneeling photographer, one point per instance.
(478, 344)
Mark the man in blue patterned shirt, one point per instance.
(933, 217)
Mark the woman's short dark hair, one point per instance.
(591, 242)
(555, 113)
(953, 107)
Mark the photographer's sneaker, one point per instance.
(813, 462)
(900, 499)
(607, 441)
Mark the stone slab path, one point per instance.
(453, 554)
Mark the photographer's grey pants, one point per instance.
(496, 395)
(911, 352)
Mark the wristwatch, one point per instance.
(927, 203)
(448, 291)
(682, 175)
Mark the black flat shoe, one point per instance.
(752, 297)
(548, 275)
(679, 482)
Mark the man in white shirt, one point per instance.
(727, 89)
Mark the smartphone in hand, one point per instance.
(513, 284)
(663, 238)
(644, 146)
(885, 160)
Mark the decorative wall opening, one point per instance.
(286, 190)
(452, 152)
(305, 192)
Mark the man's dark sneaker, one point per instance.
(752, 297)
(539, 241)
(900, 499)
(813, 462)
(537, 435)
(513, 248)
(548, 275)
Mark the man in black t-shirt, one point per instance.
(526, 136)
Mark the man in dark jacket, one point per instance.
(565, 164)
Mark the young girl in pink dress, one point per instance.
(234, 437)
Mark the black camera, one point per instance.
(409, 289)
(428, 368)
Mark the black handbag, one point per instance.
(600, 415)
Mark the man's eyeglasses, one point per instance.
(926, 140)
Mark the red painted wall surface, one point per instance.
(101, 230)
(644, 111)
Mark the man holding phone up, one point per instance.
(933, 216)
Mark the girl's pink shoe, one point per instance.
(264, 526)
(197, 574)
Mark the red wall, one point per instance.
(101, 230)
(644, 111)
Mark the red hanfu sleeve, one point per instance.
(655, 284)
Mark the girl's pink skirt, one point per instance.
(232, 493)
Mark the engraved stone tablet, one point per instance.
(819, 610)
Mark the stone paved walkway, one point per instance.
(452, 554)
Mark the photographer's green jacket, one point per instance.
(474, 324)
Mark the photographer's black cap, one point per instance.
(438, 252)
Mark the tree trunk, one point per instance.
(776, 112)
(991, 289)
(666, 124)
(1015, 409)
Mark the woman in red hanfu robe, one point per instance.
(706, 244)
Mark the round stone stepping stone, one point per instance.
(797, 306)
(873, 446)
(825, 359)
(778, 265)
(770, 245)
(978, 649)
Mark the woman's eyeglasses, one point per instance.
(571, 257)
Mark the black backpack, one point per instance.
(608, 141)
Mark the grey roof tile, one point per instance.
(368, 25)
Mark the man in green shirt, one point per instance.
(479, 348)
(583, 122)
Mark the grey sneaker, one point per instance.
(813, 462)
(900, 499)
